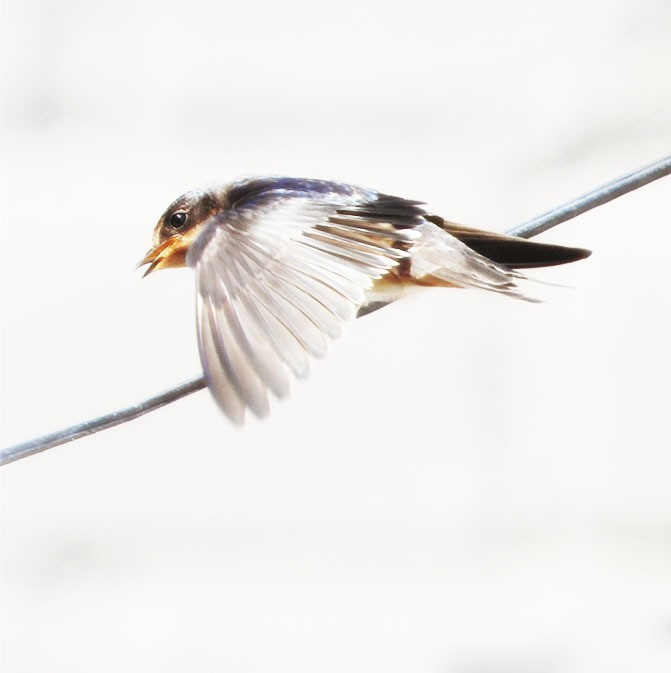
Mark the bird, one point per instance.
(283, 264)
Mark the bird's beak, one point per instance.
(158, 257)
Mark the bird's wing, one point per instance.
(510, 251)
(278, 277)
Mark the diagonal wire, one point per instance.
(45, 442)
(592, 199)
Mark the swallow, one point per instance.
(283, 264)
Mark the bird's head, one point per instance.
(178, 227)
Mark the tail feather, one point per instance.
(511, 251)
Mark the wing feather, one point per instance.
(217, 377)
(277, 281)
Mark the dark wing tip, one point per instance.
(512, 251)
(531, 254)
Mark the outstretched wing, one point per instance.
(279, 274)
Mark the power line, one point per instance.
(592, 199)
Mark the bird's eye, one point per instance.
(178, 219)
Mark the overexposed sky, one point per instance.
(468, 483)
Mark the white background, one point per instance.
(469, 483)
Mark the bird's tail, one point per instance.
(511, 251)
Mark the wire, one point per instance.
(592, 199)
(596, 197)
(101, 423)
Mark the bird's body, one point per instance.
(283, 263)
